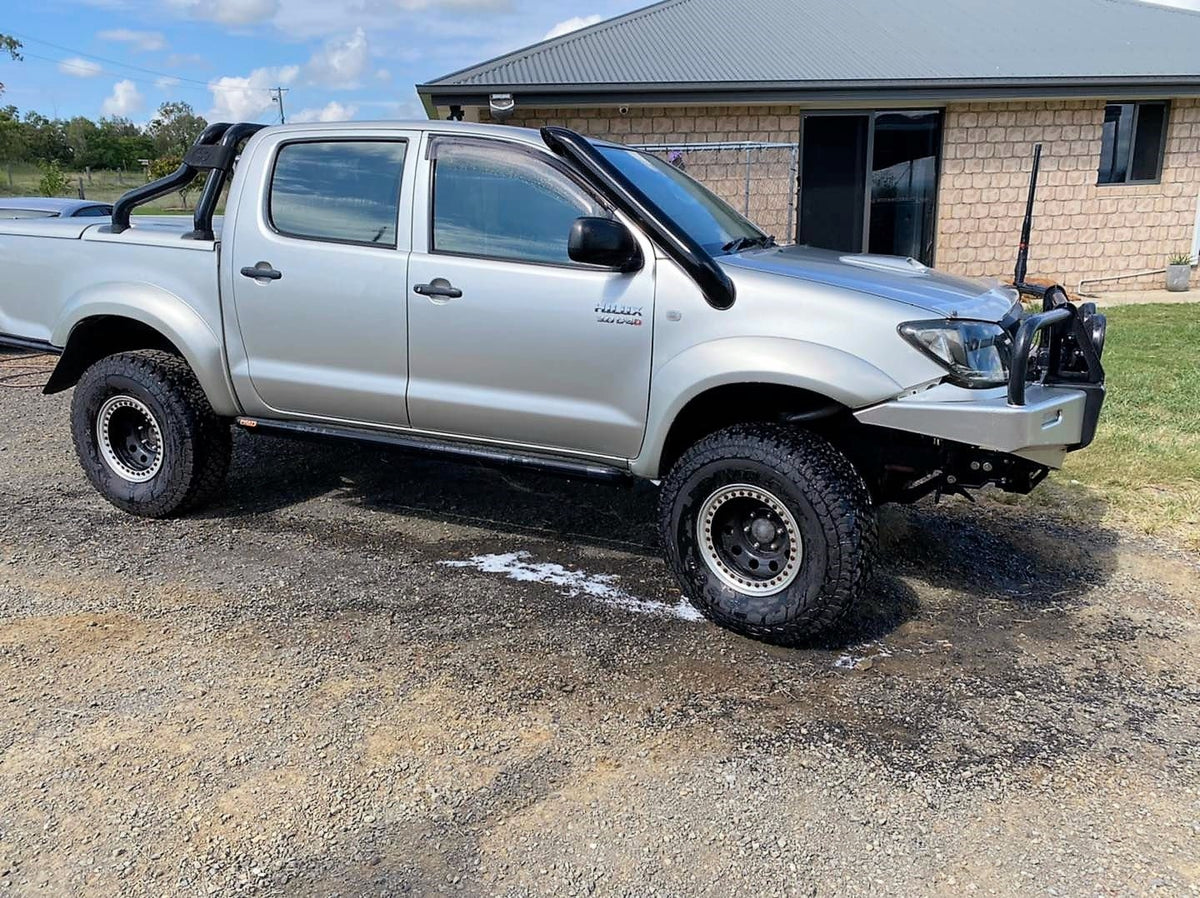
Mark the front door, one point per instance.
(509, 340)
(323, 325)
(868, 182)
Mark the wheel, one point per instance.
(146, 436)
(770, 531)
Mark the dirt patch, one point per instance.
(292, 694)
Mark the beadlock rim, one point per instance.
(754, 506)
(129, 438)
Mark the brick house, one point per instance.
(897, 128)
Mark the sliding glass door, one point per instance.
(868, 182)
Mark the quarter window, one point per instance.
(345, 191)
(1133, 143)
(497, 203)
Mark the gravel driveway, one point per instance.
(364, 674)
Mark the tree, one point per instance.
(175, 128)
(12, 47)
(54, 182)
(12, 139)
(166, 165)
(45, 139)
(81, 135)
(118, 143)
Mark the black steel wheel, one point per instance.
(769, 530)
(146, 435)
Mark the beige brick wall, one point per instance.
(772, 194)
(1080, 229)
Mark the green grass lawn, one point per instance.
(1143, 470)
(103, 186)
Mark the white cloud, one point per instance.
(166, 83)
(80, 68)
(340, 63)
(141, 40)
(383, 75)
(228, 12)
(396, 109)
(242, 99)
(330, 112)
(572, 24)
(124, 100)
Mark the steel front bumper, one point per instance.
(1050, 406)
(1052, 421)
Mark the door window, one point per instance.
(342, 191)
(499, 203)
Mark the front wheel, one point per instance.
(146, 435)
(770, 531)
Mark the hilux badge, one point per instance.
(610, 313)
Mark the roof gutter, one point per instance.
(883, 91)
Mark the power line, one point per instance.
(126, 65)
(176, 82)
(101, 71)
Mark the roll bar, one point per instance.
(215, 151)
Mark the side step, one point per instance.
(11, 341)
(431, 446)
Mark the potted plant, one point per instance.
(1179, 273)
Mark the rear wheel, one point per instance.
(146, 436)
(770, 531)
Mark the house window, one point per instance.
(1133, 143)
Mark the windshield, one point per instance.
(706, 218)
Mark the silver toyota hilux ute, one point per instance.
(536, 298)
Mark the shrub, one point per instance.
(54, 182)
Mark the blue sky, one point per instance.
(338, 58)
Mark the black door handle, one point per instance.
(266, 273)
(438, 287)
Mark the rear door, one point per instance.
(318, 273)
(517, 343)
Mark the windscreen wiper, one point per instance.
(741, 243)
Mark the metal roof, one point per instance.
(700, 47)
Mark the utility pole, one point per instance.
(277, 97)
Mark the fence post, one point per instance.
(746, 202)
(793, 189)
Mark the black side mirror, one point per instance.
(604, 241)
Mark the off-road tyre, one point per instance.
(195, 442)
(821, 493)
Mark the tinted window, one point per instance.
(94, 212)
(345, 190)
(1132, 142)
(26, 213)
(707, 218)
(504, 204)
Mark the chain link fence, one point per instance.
(757, 179)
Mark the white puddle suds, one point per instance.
(866, 658)
(602, 587)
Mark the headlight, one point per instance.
(976, 353)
